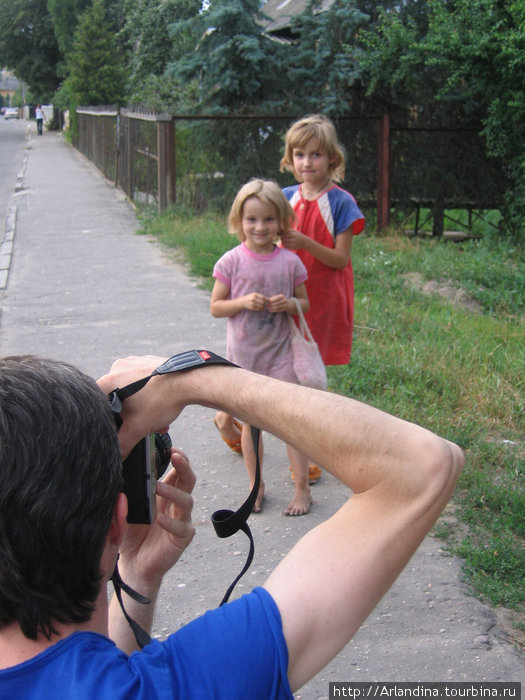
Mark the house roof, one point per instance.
(280, 13)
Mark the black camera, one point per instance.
(146, 463)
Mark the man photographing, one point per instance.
(63, 523)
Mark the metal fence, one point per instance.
(215, 155)
(134, 149)
(97, 138)
(201, 161)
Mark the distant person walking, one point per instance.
(39, 114)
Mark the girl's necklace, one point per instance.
(311, 195)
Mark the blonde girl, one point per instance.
(327, 219)
(255, 283)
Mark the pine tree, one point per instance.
(95, 68)
(237, 66)
(326, 59)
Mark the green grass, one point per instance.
(199, 240)
(429, 360)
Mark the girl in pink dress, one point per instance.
(255, 283)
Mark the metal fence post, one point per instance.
(383, 173)
(166, 161)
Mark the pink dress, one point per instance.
(260, 340)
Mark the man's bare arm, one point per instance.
(401, 476)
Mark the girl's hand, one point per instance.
(293, 240)
(255, 301)
(278, 304)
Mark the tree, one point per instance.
(481, 46)
(65, 15)
(235, 69)
(28, 45)
(238, 68)
(452, 64)
(152, 46)
(326, 59)
(95, 67)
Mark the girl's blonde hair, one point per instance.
(322, 131)
(267, 192)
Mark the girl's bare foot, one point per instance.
(230, 430)
(257, 508)
(301, 503)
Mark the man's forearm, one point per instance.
(332, 430)
(327, 427)
(401, 476)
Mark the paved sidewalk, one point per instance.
(84, 287)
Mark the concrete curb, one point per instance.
(6, 246)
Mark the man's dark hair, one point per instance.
(60, 475)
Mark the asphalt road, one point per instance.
(84, 287)
(12, 143)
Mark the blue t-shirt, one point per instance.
(235, 652)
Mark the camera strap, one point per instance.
(225, 522)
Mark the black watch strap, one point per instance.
(183, 361)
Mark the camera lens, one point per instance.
(162, 452)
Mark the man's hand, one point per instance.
(152, 409)
(128, 369)
(149, 551)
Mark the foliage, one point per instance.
(458, 63)
(238, 68)
(326, 60)
(153, 46)
(425, 63)
(94, 65)
(433, 362)
(65, 15)
(482, 45)
(17, 99)
(28, 44)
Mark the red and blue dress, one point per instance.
(330, 291)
